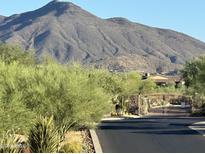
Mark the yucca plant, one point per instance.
(44, 136)
(10, 143)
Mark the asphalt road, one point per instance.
(158, 134)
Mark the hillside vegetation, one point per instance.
(69, 96)
(72, 94)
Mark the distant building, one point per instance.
(163, 80)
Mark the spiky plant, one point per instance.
(10, 143)
(44, 136)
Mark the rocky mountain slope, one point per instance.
(1, 18)
(69, 33)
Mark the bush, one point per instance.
(146, 86)
(66, 92)
(44, 136)
(10, 54)
(72, 147)
(13, 112)
(169, 89)
(194, 74)
(9, 143)
(74, 95)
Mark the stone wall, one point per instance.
(141, 104)
(164, 99)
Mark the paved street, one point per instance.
(161, 134)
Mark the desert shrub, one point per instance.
(71, 147)
(76, 98)
(194, 74)
(146, 86)
(66, 92)
(169, 89)
(11, 53)
(13, 113)
(44, 136)
(72, 94)
(9, 143)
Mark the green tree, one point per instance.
(9, 54)
(146, 86)
(13, 113)
(194, 75)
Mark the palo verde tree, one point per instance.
(11, 53)
(194, 74)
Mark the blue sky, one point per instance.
(187, 16)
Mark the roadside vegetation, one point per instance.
(74, 95)
(64, 97)
(194, 76)
(171, 88)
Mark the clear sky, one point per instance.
(187, 16)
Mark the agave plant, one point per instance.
(44, 137)
(10, 143)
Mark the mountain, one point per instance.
(69, 33)
(1, 18)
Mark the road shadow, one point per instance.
(154, 130)
(168, 132)
(131, 121)
(126, 128)
(159, 126)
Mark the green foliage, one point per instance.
(111, 83)
(169, 89)
(190, 72)
(121, 86)
(13, 113)
(66, 92)
(71, 147)
(10, 143)
(130, 83)
(44, 136)
(72, 94)
(194, 75)
(146, 86)
(9, 54)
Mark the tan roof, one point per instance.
(166, 79)
(158, 78)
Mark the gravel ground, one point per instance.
(88, 144)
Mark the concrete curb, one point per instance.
(200, 129)
(96, 142)
(125, 117)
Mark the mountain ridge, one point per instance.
(2, 18)
(67, 32)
